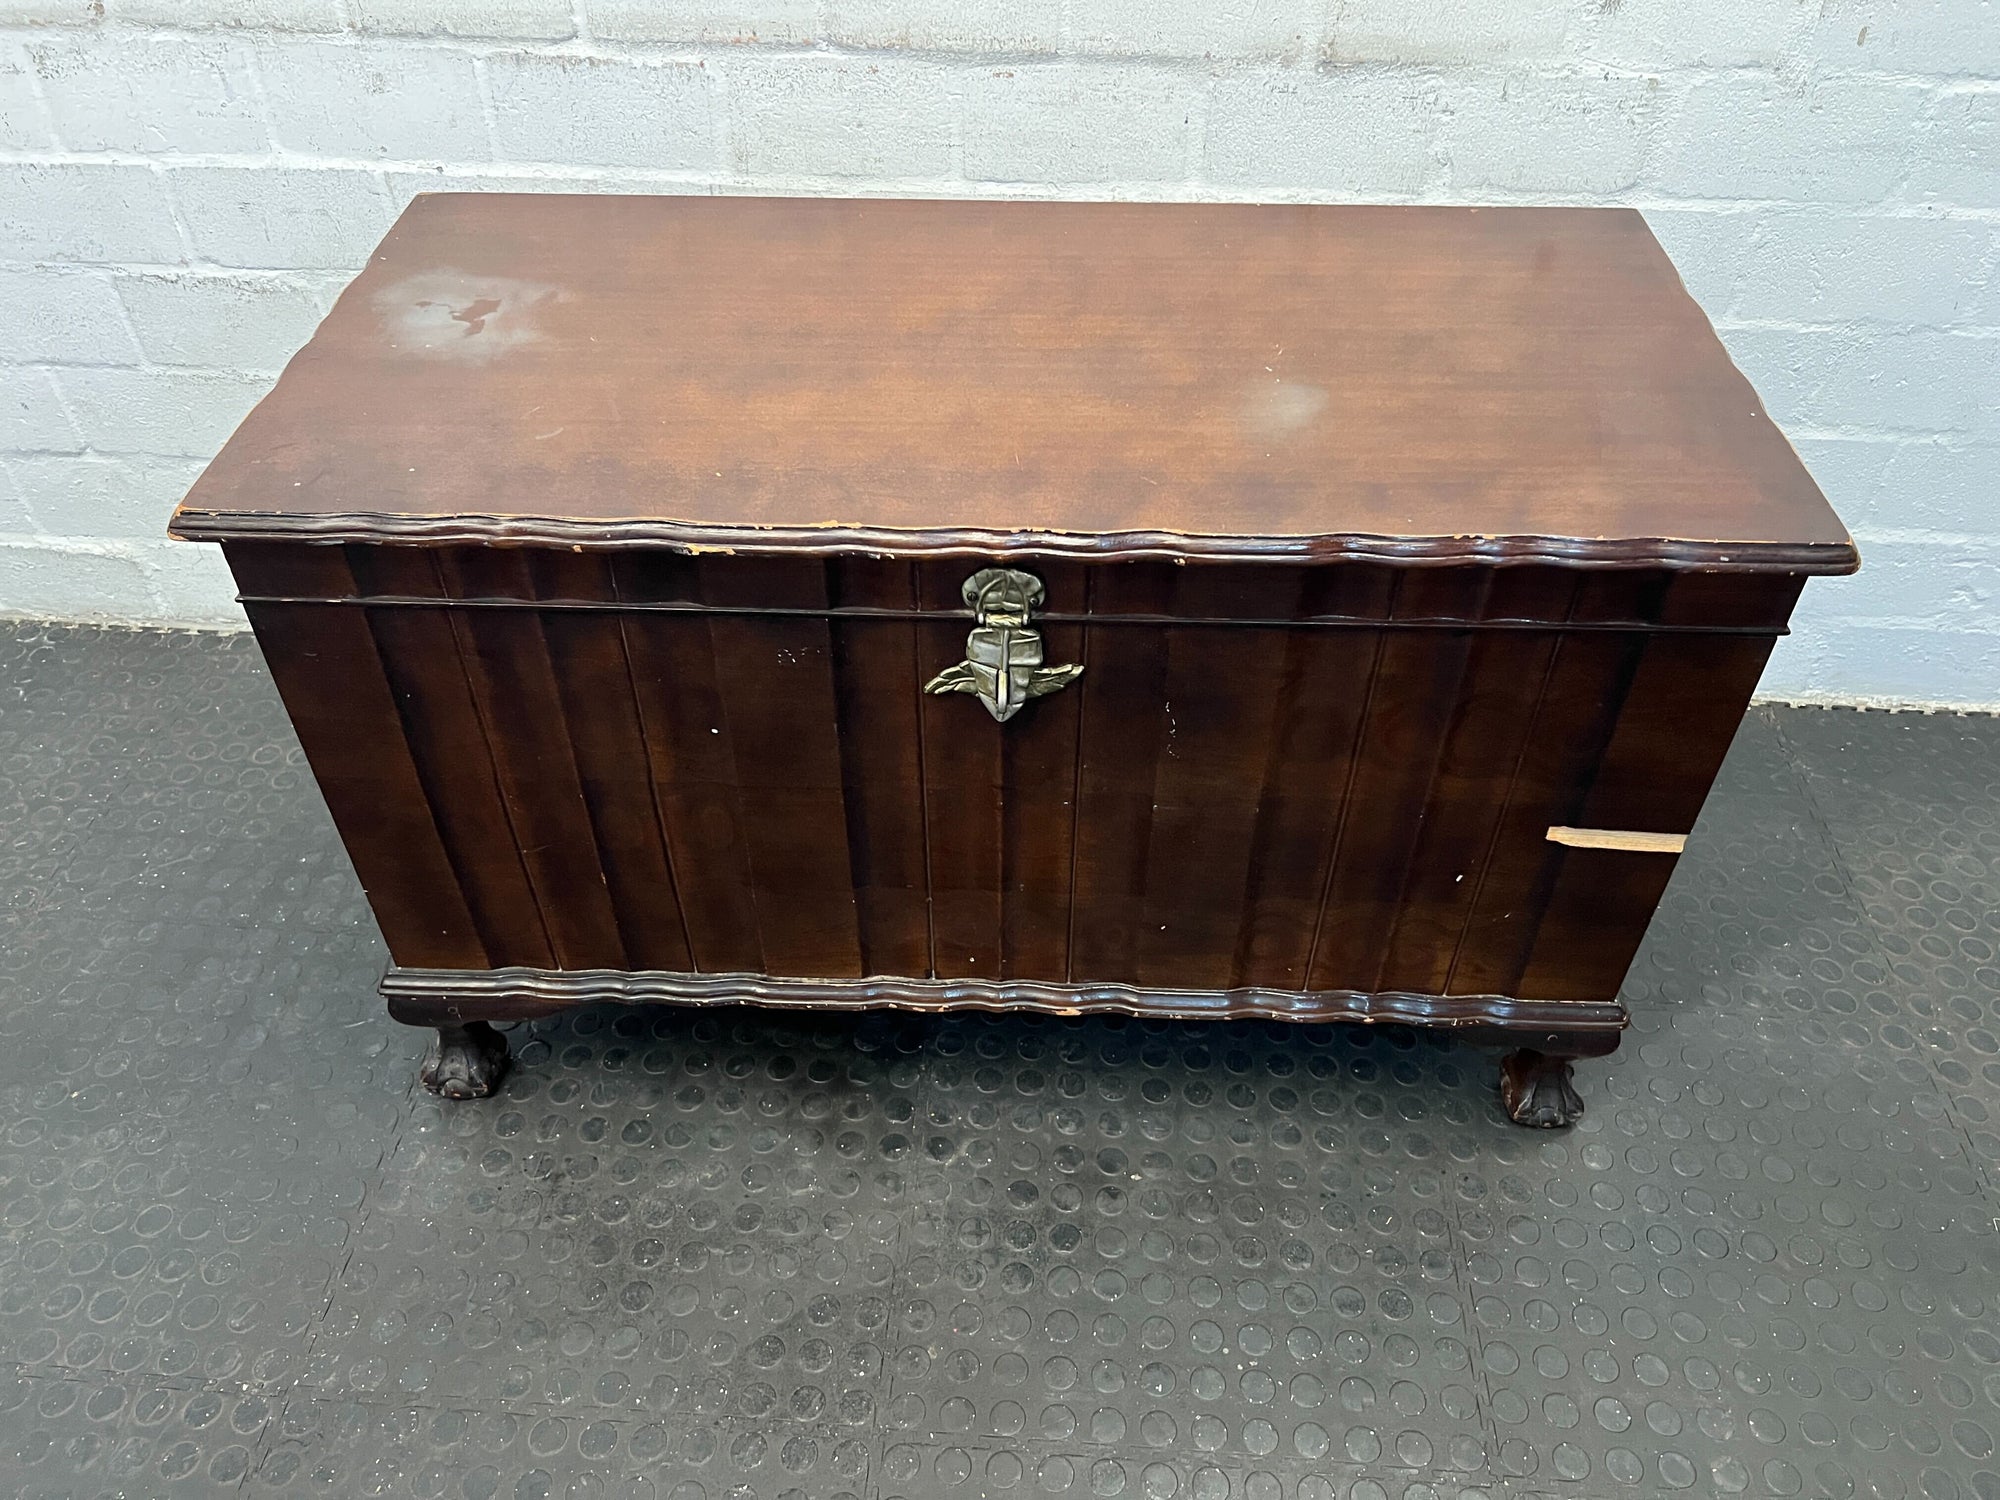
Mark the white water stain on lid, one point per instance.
(449, 314)
(1273, 410)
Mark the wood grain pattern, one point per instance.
(1123, 738)
(882, 765)
(350, 721)
(505, 659)
(600, 714)
(449, 744)
(1038, 816)
(1419, 564)
(966, 378)
(1686, 698)
(1259, 803)
(689, 745)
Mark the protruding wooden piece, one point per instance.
(1618, 838)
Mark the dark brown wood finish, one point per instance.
(984, 378)
(432, 997)
(1321, 779)
(350, 722)
(1387, 540)
(450, 739)
(882, 764)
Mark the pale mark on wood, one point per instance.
(454, 315)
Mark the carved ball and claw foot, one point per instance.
(1537, 1091)
(467, 1061)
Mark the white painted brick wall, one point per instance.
(33, 418)
(57, 315)
(603, 112)
(1333, 133)
(842, 120)
(237, 320)
(136, 93)
(762, 22)
(278, 216)
(374, 101)
(1019, 27)
(186, 184)
(1033, 120)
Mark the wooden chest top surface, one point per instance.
(1114, 380)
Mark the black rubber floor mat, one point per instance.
(748, 1254)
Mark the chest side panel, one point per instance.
(1683, 698)
(351, 714)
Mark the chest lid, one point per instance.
(998, 379)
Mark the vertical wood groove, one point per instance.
(1283, 706)
(1036, 813)
(329, 673)
(1480, 750)
(454, 856)
(1354, 760)
(1284, 709)
(673, 672)
(653, 785)
(1530, 930)
(597, 750)
(1507, 800)
(1076, 776)
(630, 938)
(873, 665)
(511, 667)
(1123, 741)
(646, 749)
(1403, 843)
(1398, 906)
(1284, 808)
(774, 682)
(446, 742)
(1008, 835)
(923, 784)
(457, 622)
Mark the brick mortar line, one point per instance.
(145, 364)
(794, 184)
(1307, 61)
(299, 278)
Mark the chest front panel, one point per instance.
(1280, 778)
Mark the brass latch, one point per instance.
(1003, 656)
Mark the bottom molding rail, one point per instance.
(426, 997)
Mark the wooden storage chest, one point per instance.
(1327, 612)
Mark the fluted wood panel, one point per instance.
(882, 766)
(505, 658)
(1328, 778)
(348, 719)
(449, 743)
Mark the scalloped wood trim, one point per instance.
(428, 996)
(1435, 551)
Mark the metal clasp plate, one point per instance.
(1003, 655)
